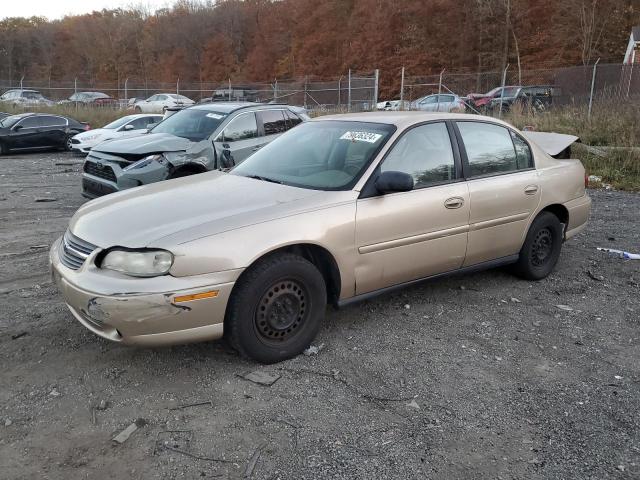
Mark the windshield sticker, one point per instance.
(215, 116)
(361, 137)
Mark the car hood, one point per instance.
(177, 211)
(146, 143)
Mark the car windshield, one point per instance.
(117, 123)
(96, 95)
(192, 123)
(10, 121)
(323, 155)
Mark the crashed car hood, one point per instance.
(184, 209)
(146, 143)
(552, 143)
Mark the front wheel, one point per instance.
(276, 308)
(541, 248)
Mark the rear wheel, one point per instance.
(3, 149)
(68, 144)
(276, 308)
(541, 248)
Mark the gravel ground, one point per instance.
(481, 376)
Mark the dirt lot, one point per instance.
(482, 376)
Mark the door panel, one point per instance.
(410, 235)
(501, 208)
(240, 137)
(30, 135)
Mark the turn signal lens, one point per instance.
(196, 296)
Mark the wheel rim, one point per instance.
(282, 311)
(69, 143)
(542, 247)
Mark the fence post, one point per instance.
(229, 89)
(349, 93)
(126, 98)
(275, 90)
(305, 92)
(402, 89)
(75, 89)
(178, 86)
(593, 84)
(339, 92)
(21, 79)
(439, 90)
(504, 81)
(375, 90)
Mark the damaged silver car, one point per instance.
(215, 136)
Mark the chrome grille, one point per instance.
(74, 251)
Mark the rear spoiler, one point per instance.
(558, 145)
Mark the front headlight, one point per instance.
(156, 157)
(144, 263)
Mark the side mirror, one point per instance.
(128, 127)
(17, 127)
(390, 182)
(227, 160)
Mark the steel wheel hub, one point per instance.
(282, 311)
(542, 247)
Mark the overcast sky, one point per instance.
(60, 8)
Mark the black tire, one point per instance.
(541, 248)
(67, 143)
(276, 308)
(3, 149)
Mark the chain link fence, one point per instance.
(349, 92)
(579, 85)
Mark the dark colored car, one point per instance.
(93, 99)
(38, 131)
(536, 97)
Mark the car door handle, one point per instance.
(454, 202)
(531, 189)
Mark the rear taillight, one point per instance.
(87, 127)
(586, 179)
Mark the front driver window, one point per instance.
(425, 153)
(242, 127)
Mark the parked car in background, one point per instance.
(337, 210)
(94, 99)
(481, 101)
(160, 102)
(536, 97)
(443, 102)
(124, 127)
(25, 98)
(4, 114)
(393, 105)
(213, 136)
(37, 131)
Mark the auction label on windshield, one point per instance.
(215, 115)
(361, 137)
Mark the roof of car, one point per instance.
(404, 119)
(229, 107)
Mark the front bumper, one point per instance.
(142, 311)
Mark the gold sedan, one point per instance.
(334, 211)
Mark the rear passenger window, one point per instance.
(489, 148)
(524, 158)
(242, 127)
(425, 153)
(273, 121)
(292, 119)
(48, 121)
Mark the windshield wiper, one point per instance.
(264, 179)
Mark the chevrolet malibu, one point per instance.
(334, 211)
